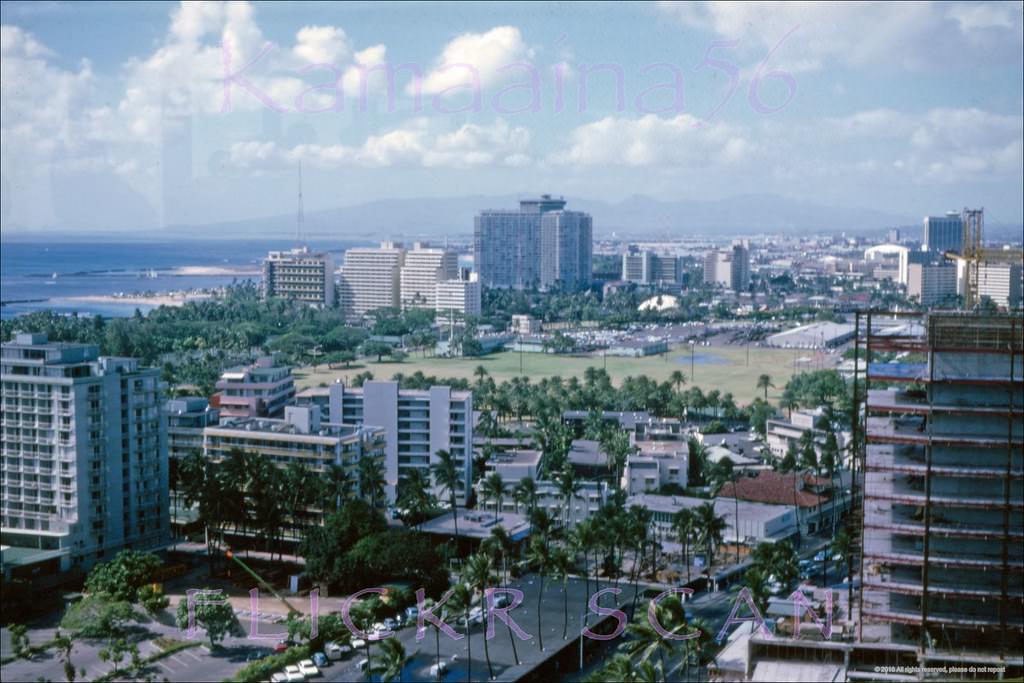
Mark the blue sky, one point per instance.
(114, 115)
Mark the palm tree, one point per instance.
(764, 382)
(646, 640)
(414, 496)
(391, 660)
(757, 583)
(446, 476)
(371, 480)
(538, 554)
(493, 488)
(677, 379)
(684, 524)
(584, 538)
(568, 489)
(462, 600)
(477, 574)
(638, 522)
(710, 529)
(526, 494)
(622, 669)
(561, 567)
(362, 614)
(502, 545)
(617, 447)
(339, 484)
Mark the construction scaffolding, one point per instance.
(939, 444)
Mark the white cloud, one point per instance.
(654, 141)
(902, 34)
(473, 56)
(417, 143)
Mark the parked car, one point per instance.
(363, 665)
(438, 670)
(335, 651)
(293, 674)
(390, 624)
(308, 668)
(412, 613)
(358, 644)
(820, 557)
(279, 677)
(284, 645)
(320, 659)
(502, 600)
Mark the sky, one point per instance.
(133, 117)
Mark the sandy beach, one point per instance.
(215, 270)
(155, 300)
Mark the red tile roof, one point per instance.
(777, 488)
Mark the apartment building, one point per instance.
(186, 418)
(1001, 282)
(301, 275)
(931, 283)
(84, 450)
(655, 464)
(780, 433)
(541, 245)
(370, 279)
(262, 389)
(298, 438)
(648, 268)
(728, 268)
(943, 505)
(422, 271)
(457, 299)
(416, 423)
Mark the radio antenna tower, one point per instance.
(299, 217)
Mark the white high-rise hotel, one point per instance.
(84, 449)
(423, 269)
(391, 277)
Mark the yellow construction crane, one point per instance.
(973, 254)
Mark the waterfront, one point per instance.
(108, 278)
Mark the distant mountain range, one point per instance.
(636, 216)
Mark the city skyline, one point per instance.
(141, 125)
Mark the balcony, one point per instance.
(914, 432)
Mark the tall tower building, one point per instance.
(301, 275)
(729, 268)
(84, 450)
(424, 268)
(540, 245)
(943, 512)
(943, 233)
(371, 279)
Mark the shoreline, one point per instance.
(172, 299)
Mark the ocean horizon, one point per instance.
(54, 275)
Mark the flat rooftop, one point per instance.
(477, 524)
(516, 457)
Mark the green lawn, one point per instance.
(722, 368)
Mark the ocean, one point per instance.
(49, 275)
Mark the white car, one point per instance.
(279, 677)
(308, 668)
(294, 674)
(335, 651)
(358, 644)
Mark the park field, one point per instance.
(724, 368)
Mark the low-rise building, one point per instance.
(262, 389)
(820, 502)
(299, 438)
(655, 464)
(758, 522)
